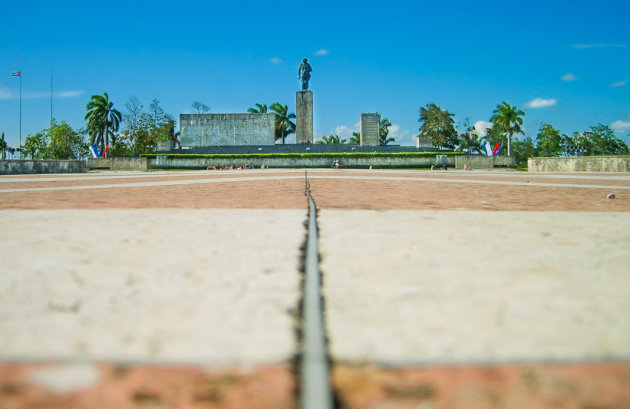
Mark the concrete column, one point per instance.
(370, 129)
(304, 116)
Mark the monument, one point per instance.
(199, 130)
(304, 106)
(370, 129)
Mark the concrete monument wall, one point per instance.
(370, 129)
(20, 167)
(197, 130)
(580, 164)
(304, 116)
(124, 163)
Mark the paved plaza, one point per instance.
(444, 289)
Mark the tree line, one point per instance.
(506, 122)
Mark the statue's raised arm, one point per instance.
(304, 73)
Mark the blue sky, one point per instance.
(563, 62)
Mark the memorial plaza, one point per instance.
(441, 289)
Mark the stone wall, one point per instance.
(580, 164)
(483, 162)
(304, 117)
(137, 164)
(19, 167)
(319, 161)
(198, 130)
(370, 129)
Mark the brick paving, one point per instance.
(578, 385)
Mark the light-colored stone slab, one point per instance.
(209, 287)
(414, 287)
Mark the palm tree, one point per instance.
(3, 145)
(103, 120)
(331, 139)
(384, 131)
(260, 109)
(508, 117)
(355, 139)
(284, 126)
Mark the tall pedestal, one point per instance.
(370, 129)
(304, 116)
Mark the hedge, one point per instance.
(295, 155)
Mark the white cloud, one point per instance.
(401, 136)
(541, 103)
(346, 132)
(322, 52)
(69, 94)
(568, 77)
(618, 84)
(600, 45)
(620, 126)
(480, 128)
(276, 61)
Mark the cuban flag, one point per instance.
(17, 74)
(497, 149)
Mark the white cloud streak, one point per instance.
(618, 84)
(7, 94)
(568, 77)
(620, 126)
(585, 46)
(541, 103)
(321, 52)
(276, 61)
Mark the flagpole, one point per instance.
(20, 115)
(51, 100)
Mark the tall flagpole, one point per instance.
(21, 157)
(51, 100)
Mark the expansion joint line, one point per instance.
(315, 388)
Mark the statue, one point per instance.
(304, 72)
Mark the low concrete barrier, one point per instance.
(20, 167)
(580, 164)
(138, 164)
(165, 162)
(483, 162)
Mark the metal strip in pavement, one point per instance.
(315, 388)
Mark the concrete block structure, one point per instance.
(304, 116)
(198, 130)
(370, 129)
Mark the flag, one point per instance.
(496, 148)
(17, 74)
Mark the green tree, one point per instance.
(3, 146)
(523, 150)
(35, 145)
(548, 141)
(494, 135)
(330, 140)
(284, 125)
(65, 142)
(383, 132)
(103, 120)
(355, 139)
(259, 109)
(469, 140)
(438, 125)
(200, 107)
(510, 119)
(603, 141)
